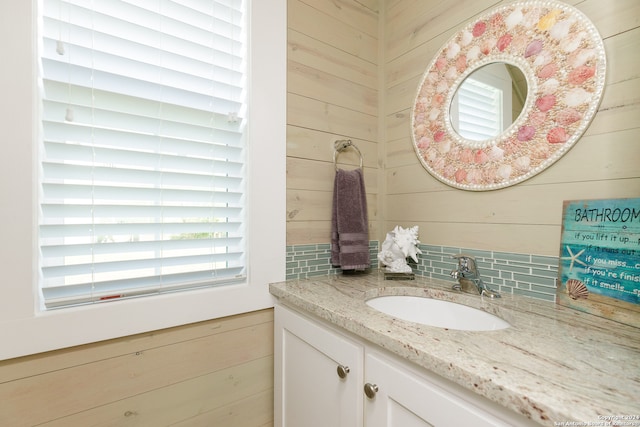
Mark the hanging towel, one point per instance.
(349, 221)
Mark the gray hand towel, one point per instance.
(349, 221)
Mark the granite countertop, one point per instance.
(553, 364)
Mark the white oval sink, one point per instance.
(434, 312)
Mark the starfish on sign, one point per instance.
(574, 258)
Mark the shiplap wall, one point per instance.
(339, 85)
(333, 93)
(525, 218)
(216, 373)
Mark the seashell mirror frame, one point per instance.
(562, 56)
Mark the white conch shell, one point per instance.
(399, 266)
(400, 244)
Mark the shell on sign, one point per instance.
(576, 289)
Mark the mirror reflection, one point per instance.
(488, 101)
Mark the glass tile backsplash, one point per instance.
(315, 260)
(510, 273)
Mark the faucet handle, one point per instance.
(466, 263)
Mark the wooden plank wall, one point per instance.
(525, 218)
(215, 373)
(332, 86)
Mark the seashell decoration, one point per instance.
(546, 102)
(562, 57)
(576, 289)
(522, 163)
(560, 30)
(581, 74)
(568, 116)
(534, 48)
(526, 133)
(543, 58)
(548, 70)
(479, 29)
(581, 57)
(548, 20)
(466, 38)
(549, 87)
(514, 18)
(577, 96)
(557, 135)
(504, 42)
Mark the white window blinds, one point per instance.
(142, 173)
(480, 110)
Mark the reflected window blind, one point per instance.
(142, 155)
(480, 110)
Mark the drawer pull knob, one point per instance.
(370, 390)
(343, 371)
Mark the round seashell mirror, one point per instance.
(560, 58)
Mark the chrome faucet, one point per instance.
(469, 279)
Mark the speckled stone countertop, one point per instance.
(553, 364)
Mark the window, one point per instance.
(142, 179)
(25, 326)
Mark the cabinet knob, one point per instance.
(370, 390)
(343, 371)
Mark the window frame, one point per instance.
(24, 327)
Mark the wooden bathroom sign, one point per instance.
(599, 268)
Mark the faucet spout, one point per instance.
(468, 277)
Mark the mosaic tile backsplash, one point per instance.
(315, 260)
(510, 273)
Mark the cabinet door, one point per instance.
(309, 391)
(406, 399)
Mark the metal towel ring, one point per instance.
(343, 144)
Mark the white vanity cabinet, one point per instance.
(318, 374)
(311, 357)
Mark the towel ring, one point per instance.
(341, 145)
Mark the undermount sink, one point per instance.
(434, 312)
